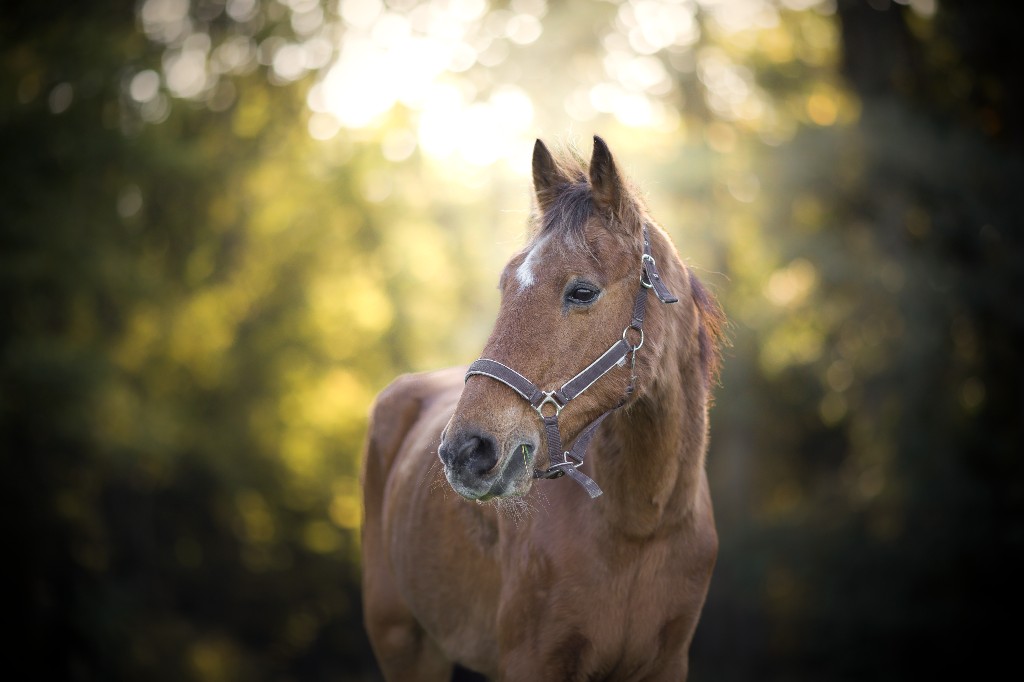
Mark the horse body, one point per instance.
(545, 583)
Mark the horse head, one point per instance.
(567, 298)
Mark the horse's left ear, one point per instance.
(610, 193)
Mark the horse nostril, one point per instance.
(479, 454)
(446, 452)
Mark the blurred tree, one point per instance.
(891, 531)
(177, 508)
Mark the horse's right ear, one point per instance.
(547, 178)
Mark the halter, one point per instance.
(558, 398)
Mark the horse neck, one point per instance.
(650, 459)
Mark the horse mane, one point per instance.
(711, 333)
(567, 213)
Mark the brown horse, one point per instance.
(545, 583)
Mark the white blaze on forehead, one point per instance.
(524, 273)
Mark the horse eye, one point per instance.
(582, 294)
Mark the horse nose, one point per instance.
(475, 453)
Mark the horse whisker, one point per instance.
(435, 474)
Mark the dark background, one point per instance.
(181, 403)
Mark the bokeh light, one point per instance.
(229, 223)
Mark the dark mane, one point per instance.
(711, 335)
(573, 201)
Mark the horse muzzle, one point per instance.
(479, 468)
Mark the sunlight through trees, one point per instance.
(228, 223)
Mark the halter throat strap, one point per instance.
(554, 401)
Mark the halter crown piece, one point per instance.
(558, 398)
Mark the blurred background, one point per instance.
(226, 224)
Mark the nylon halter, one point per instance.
(558, 398)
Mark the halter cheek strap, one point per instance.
(558, 398)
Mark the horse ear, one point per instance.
(547, 178)
(605, 182)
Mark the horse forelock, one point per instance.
(568, 213)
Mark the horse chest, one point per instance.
(589, 613)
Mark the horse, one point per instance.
(521, 576)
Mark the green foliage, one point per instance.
(157, 348)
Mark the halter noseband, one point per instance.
(560, 397)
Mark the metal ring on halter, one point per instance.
(549, 397)
(631, 346)
(644, 279)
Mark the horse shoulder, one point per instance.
(398, 437)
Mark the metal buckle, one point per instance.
(558, 470)
(568, 460)
(549, 397)
(645, 279)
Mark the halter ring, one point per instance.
(549, 397)
(631, 346)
